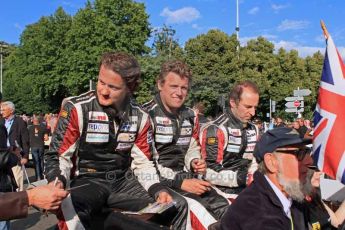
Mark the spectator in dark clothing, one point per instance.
(285, 193)
(302, 129)
(37, 134)
(199, 108)
(279, 122)
(18, 137)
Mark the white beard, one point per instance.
(295, 189)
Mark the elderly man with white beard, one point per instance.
(284, 194)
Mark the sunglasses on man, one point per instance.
(299, 153)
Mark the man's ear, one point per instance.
(232, 103)
(271, 163)
(159, 85)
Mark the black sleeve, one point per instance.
(212, 147)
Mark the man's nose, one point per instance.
(252, 111)
(179, 91)
(104, 90)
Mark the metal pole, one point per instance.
(1, 69)
(270, 109)
(237, 21)
(238, 29)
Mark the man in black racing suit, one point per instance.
(228, 142)
(103, 142)
(176, 131)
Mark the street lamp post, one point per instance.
(1, 46)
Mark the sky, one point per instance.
(293, 24)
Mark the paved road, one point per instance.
(35, 220)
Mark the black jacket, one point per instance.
(100, 141)
(19, 133)
(176, 139)
(258, 207)
(7, 161)
(228, 149)
(13, 205)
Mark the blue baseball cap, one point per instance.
(275, 138)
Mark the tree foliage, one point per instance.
(59, 54)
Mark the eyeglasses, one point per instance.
(299, 153)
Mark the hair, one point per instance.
(0, 96)
(125, 65)
(262, 167)
(176, 66)
(236, 92)
(8, 104)
(200, 106)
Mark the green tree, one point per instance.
(34, 69)
(213, 59)
(58, 55)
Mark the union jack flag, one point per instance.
(329, 116)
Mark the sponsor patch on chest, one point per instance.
(163, 120)
(235, 132)
(183, 141)
(163, 138)
(126, 137)
(131, 125)
(164, 129)
(98, 116)
(123, 146)
(186, 130)
(251, 134)
(98, 128)
(97, 137)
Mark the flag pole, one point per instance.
(325, 32)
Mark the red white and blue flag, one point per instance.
(329, 116)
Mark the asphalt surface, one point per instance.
(35, 219)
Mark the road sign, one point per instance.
(294, 99)
(273, 106)
(294, 104)
(294, 110)
(301, 92)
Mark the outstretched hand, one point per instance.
(46, 197)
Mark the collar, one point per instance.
(121, 112)
(166, 112)
(286, 202)
(235, 120)
(9, 119)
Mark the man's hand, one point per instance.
(195, 186)
(164, 197)
(46, 197)
(23, 161)
(199, 166)
(58, 184)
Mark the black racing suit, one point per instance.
(228, 149)
(176, 140)
(108, 150)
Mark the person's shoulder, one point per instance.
(82, 98)
(149, 105)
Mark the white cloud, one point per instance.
(185, 14)
(254, 10)
(196, 26)
(303, 51)
(244, 40)
(276, 7)
(292, 25)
